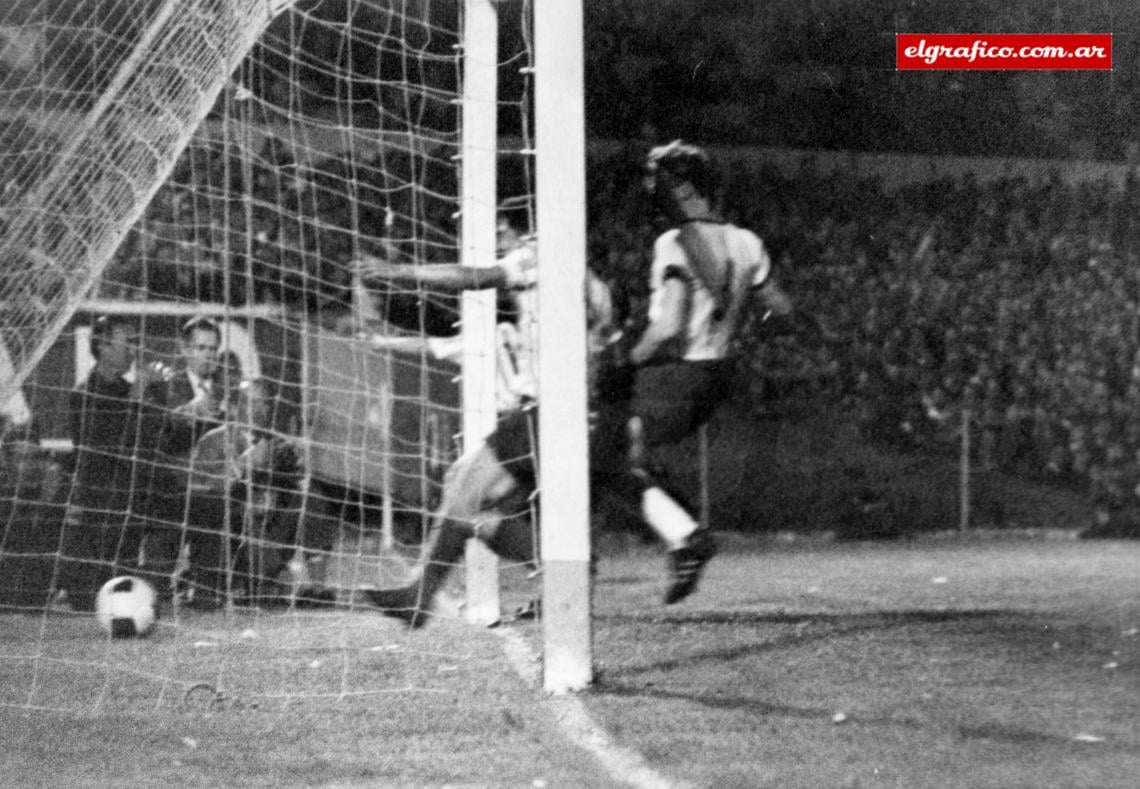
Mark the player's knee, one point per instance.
(513, 539)
(469, 485)
(463, 468)
(466, 527)
(499, 488)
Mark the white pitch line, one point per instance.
(623, 764)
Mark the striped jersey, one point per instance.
(712, 318)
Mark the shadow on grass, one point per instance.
(991, 731)
(870, 619)
(719, 690)
(715, 691)
(830, 627)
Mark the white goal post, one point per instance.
(563, 468)
(479, 181)
(560, 212)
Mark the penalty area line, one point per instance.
(578, 726)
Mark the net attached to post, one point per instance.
(163, 162)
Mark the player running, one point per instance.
(704, 273)
(489, 492)
(707, 277)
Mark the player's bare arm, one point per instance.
(772, 300)
(452, 277)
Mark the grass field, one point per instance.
(939, 662)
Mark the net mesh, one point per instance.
(167, 162)
(99, 102)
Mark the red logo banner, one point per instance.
(1003, 51)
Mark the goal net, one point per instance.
(195, 387)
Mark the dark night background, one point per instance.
(813, 74)
(821, 75)
(1011, 297)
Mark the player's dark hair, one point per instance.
(102, 330)
(679, 163)
(199, 324)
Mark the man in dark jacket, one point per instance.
(108, 426)
(192, 397)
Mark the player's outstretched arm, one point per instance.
(451, 277)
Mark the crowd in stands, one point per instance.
(1014, 301)
(1010, 303)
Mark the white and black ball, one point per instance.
(127, 607)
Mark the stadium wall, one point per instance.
(898, 170)
(894, 169)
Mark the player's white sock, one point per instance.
(665, 516)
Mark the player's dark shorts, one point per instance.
(674, 398)
(515, 443)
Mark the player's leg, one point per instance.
(128, 534)
(161, 508)
(79, 571)
(473, 489)
(206, 527)
(670, 402)
(662, 414)
(278, 527)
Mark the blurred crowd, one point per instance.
(1007, 304)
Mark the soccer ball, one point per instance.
(126, 607)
